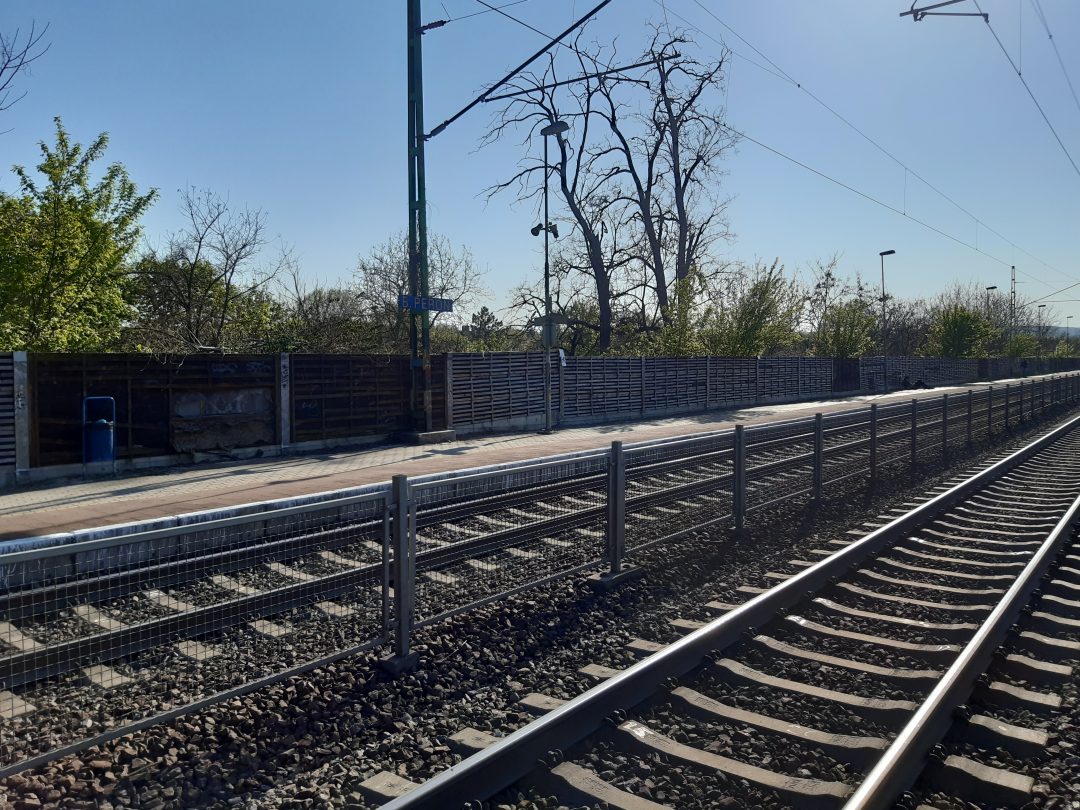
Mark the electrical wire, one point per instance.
(486, 11)
(1027, 87)
(871, 198)
(524, 24)
(1046, 25)
(780, 73)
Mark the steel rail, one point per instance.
(905, 757)
(512, 757)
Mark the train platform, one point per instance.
(61, 507)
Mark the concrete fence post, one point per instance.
(403, 567)
(989, 411)
(616, 508)
(873, 444)
(449, 386)
(284, 400)
(23, 404)
(819, 455)
(1008, 397)
(738, 479)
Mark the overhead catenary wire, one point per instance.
(1053, 42)
(1027, 87)
(777, 71)
(487, 11)
(536, 30)
(870, 197)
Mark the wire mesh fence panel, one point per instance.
(846, 443)
(928, 431)
(482, 536)
(675, 487)
(894, 437)
(122, 629)
(779, 462)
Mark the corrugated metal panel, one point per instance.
(7, 410)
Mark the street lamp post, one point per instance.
(555, 128)
(1068, 327)
(988, 291)
(1039, 352)
(884, 334)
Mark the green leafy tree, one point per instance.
(1021, 345)
(846, 330)
(757, 313)
(486, 333)
(679, 336)
(1064, 348)
(63, 244)
(958, 332)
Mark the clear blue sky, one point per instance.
(299, 109)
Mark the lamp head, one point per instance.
(555, 128)
(535, 229)
(887, 253)
(988, 289)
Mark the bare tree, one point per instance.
(383, 275)
(324, 319)
(16, 55)
(669, 158)
(636, 176)
(579, 183)
(208, 273)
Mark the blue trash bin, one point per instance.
(99, 429)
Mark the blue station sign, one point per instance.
(425, 303)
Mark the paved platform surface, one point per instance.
(46, 509)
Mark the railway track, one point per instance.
(164, 622)
(830, 688)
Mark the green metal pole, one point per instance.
(420, 346)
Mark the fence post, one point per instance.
(990, 412)
(873, 444)
(708, 382)
(1020, 405)
(738, 482)
(944, 427)
(616, 508)
(449, 386)
(641, 368)
(971, 416)
(284, 400)
(914, 428)
(1008, 396)
(403, 543)
(22, 404)
(819, 455)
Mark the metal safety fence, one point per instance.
(127, 631)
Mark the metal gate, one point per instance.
(846, 374)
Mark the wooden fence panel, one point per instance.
(345, 395)
(675, 385)
(602, 387)
(163, 404)
(500, 390)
